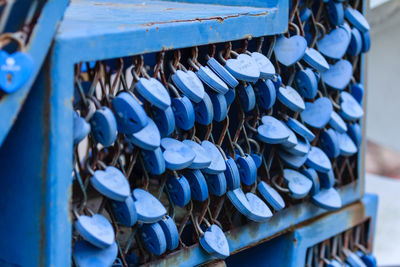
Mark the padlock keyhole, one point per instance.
(9, 77)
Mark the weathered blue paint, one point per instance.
(106, 29)
(38, 46)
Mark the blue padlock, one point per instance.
(144, 200)
(212, 80)
(165, 120)
(355, 133)
(179, 190)
(111, 183)
(316, 60)
(198, 185)
(300, 149)
(330, 143)
(292, 161)
(328, 199)
(204, 110)
(318, 113)
(81, 128)
(87, 255)
(298, 184)
(202, 159)
(339, 75)
(153, 238)
(216, 183)
(300, 129)
(184, 112)
(170, 231)
(148, 138)
(104, 126)
(267, 69)
(291, 99)
(271, 196)
(272, 131)
(154, 161)
(177, 155)
(312, 174)
(356, 43)
(220, 106)
(318, 160)
(266, 93)
(129, 113)
(217, 161)
(189, 84)
(337, 123)
(351, 110)
(357, 19)
(125, 211)
(307, 83)
(243, 68)
(334, 44)
(288, 51)
(223, 73)
(154, 92)
(335, 12)
(246, 96)
(96, 230)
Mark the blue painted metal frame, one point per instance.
(40, 41)
(289, 249)
(38, 181)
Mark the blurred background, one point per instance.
(383, 126)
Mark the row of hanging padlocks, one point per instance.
(168, 136)
(345, 249)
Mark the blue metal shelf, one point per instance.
(40, 41)
(289, 249)
(93, 29)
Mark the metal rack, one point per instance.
(36, 156)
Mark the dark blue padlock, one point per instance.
(330, 143)
(154, 161)
(165, 120)
(198, 184)
(220, 106)
(326, 179)
(277, 81)
(232, 174)
(356, 43)
(355, 133)
(335, 12)
(184, 112)
(312, 174)
(153, 238)
(204, 110)
(247, 168)
(357, 91)
(307, 83)
(247, 96)
(216, 183)
(104, 126)
(266, 93)
(179, 190)
(366, 38)
(129, 113)
(170, 231)
(125, 211)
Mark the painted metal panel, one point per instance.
(41, 39)
(103, 29)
